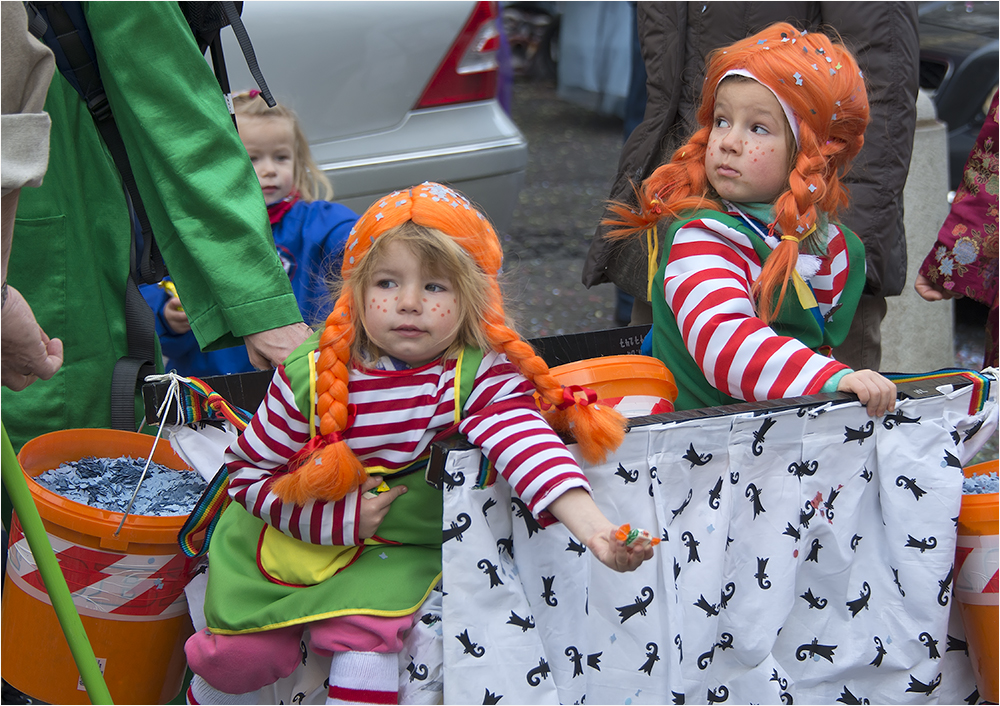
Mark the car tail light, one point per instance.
(469, 69)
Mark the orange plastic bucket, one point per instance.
(976, 580)
(129, 589)
(635, 384)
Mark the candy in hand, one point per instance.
(375, 492)
(631, 536)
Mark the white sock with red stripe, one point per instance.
(364, 678)
(201, 692)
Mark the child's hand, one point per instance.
(175, 317)
(577, 510)
(876, 392)
(617, 553)
(375, 507)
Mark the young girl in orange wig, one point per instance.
(333, 525)
(756, 282)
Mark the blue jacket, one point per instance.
(310, 240)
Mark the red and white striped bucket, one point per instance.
(976, 581)
(128, 589)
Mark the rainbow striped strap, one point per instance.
(205, 515)
(980, 383)
(206, 403)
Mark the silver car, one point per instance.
(391, 94)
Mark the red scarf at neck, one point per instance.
(276, 211)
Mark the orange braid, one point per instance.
(330, 471)
(678, 186)
(597, 429)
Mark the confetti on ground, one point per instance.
(108, 484)
(978, 485)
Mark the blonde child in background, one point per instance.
(416, 350)
(309, 232)
(756, 281)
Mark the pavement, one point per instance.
(572, 159)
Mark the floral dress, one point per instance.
(964, 258)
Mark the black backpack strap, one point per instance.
(75, 57)
(244, 39)
(206, 20)
(131, 370)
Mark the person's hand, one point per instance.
(28, 354)
(175, 316)
(876, 392)
(615, 554)
(933, 292)
(268, 349)
(374, 509)
(577, 510)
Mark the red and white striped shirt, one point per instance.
(706, 283)
(398, 415)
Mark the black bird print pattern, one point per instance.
(842, 499)
(802, 469)
(490, 570)
(692, 546)
(695, 458)
(757, 448)
(540, 672)
(521, 510)
(761, 575)
(627, 475)
(891, 421)
(517, 621)
(753, 493)
(814, 601)
(814, 649)
(846, 697)
(638, 607)
(911, 485)
(576, 658)
(652, 657)
(921, 544)
(859, 604)
(880, 652)
(861, 434)
(919, 687)
(548, 593)
(715, 494)
(928, 641)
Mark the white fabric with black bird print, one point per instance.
(806, 557)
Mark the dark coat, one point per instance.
(676, 38)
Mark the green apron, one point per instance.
(390, 578)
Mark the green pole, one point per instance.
(52, 576)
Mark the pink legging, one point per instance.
(236, 664)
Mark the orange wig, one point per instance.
(329, 469)
(820, 82)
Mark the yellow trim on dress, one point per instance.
(336, 614)
(458, 386)
(312, 394)
(652, 259)
(806, 297)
